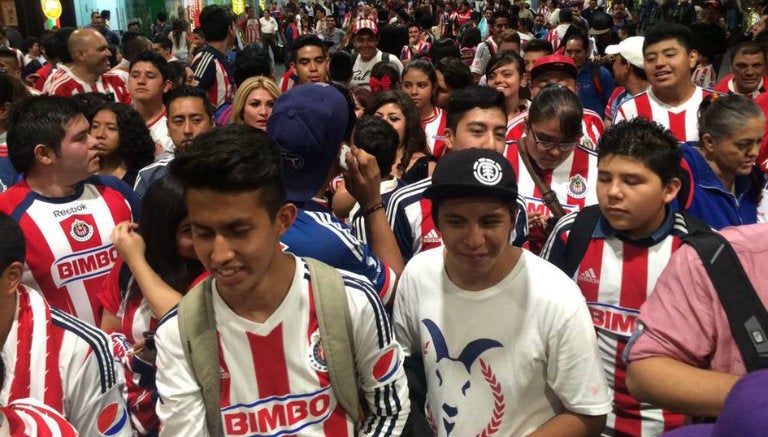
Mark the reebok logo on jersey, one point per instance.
(588, 276)
(615, 319)
(67, 211)
(83, 265)
(431, 237)
(278, 415)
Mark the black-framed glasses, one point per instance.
(563, 146)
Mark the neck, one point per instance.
(260, 302)
(149, 110)
(728, 179)
(512, 104)
(221, 46)
(427, 111)
(84, 75)
(50, 185)
(635, 85)
(113, 165)
(7, 314)
(677, 95)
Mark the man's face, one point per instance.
(620, 70)
(95, 54)
(500, 25)
(475, 233)
(187, 119)
(414, 34)
(79, 155)
(631, 196)
(165, 53)
(11, 66)
(238, 241)
(487, 14)
(550, 77)
(538, 21)
(509, 47)
(443, 91)
(479, 128)
(748, 71)
(330, 24)
(575, 50)
(134, 28)
(365, 43)
(197, 40)
(530, 57)
(311, 65)
(668, 65)
(145, 83)
(618, 11)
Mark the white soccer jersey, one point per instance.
(504, 360)
(274, 378)
(681, 120)
(29, 417)
(66, 364)
(434, 127)
(158, 130)
(69, 250)
(62, 82)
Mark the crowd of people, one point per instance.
(485, 218)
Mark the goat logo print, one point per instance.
(454, 376)
(487, 171)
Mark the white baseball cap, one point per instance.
(630, 49)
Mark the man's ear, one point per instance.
(5, 110)
(44, 154)
(448, 139)
(285, 217)
(671, 189)
(11, 278)
(167, 85)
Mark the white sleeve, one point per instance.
(406, 329)
(379, 362)
(180, 405)
(482, 55)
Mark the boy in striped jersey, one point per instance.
(56, 359)
(632, 239)
(274, 376)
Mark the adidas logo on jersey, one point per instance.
(588, 276)
(431, 237)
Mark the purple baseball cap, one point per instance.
(745, 413)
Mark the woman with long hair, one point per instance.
(505, 73)
(125, 145)
(179, 38)
(420, 82)
(254, 101)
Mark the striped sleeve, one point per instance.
(29, 417)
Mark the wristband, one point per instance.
(373, 209)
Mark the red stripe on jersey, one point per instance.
(226, 377)
(634, 289)
(429, 235)
(677, 125)
(21, 378)
(644, 107)
(516, 127)
(273, 379)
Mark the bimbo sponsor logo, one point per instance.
(614, 319)
(83, 265)
(278, 415)
(536, 205)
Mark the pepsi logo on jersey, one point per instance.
(278, 415)
(82, 265)
(112, 420)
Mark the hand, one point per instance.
(129, 243)
(537, 220)
(363, 180)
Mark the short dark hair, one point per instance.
(58, 45)
(215, 22)
(6, 53)
(253, 60)
(666, 31)
(538, 45)
(576, 36)
(132, 43)
(188, 91)
(556, 102)
(28, 43)
(177, 73)
(233, 159)
(132, 23)
(162, 16)
(12, 245)
(340, 67)
(471, 97)
(377, 137)
(645, 141)
(155, 59)
(456, 73)
(163, 41)
(307, 41)
(747, 48)
(444, 48)
(38, 120)
(639, 72)
(496, 15)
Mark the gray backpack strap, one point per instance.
(330, 296)
(197, 328)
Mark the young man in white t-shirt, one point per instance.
(365, 39)
(507, 341)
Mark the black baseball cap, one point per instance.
(473, 173)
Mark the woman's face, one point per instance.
(359, 110)
(184, 245)
(735, 155)
(417, 84)
(258, 108)
(506, 79)
(394, 115)
(104, 128)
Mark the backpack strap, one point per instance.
(746, 313)
(579, 238)
(335, 322)
(197, 329)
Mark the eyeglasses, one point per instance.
(563, 146)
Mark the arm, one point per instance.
(679, 386)
(363, 182)
(571, 425)
(130, 245)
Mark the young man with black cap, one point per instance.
(524, 360)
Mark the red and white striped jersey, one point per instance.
(252, 30)
(274, 377)
(69, 250)
(592, 129)
(66, 364)
(573, 180)
(212, 71)
(616, 277)
(726, 86)
(434, 127)
(158, 130)
(29, 417)
(421, 47)
(62, 82)
(681, 120)
(704, 76)
(554, 36)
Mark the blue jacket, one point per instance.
(589, 96)
(712, 202)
